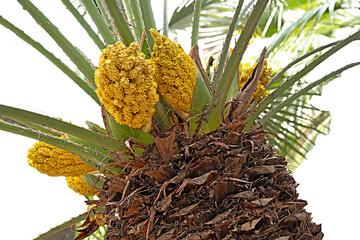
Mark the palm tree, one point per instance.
(101, 148)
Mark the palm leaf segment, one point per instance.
(296, 125)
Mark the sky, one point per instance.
(32, 202)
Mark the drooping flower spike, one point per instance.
(175, 72)
(126, 86)
(54, 161)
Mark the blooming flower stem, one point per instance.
(100, 23)
(53, 161)
(59, 125)
(126, 86)
(56, 61)
(195, 23)
(81, 20)
(252, 117)
(244, 77)
(174, 72)
(119, 22)
(149, 21)
(73, 53)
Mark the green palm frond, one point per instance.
(295, 127)
(294, 122)
(315, 18)
(80, 18)
(304, 33)
(98, 16)
(181, 18)
(298, 136)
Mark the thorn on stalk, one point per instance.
(127, 144)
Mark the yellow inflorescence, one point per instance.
(126, 85)
(78, 185)
(263, 81)
(54, 161)
(175, 72)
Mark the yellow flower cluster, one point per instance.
(54, 161)
(245, 74)
(79, 185)
(175, 72)
(98, 217)
(126, 86)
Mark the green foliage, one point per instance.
(123, 132)
(195, 24)
(119, 21)
(316, 18)
(97, 16)
(201, 98)
(84, 24)
(73, 53)
(295, 122)
(181, 18)
(215, 116)
(149, 21)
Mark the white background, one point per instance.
(32, 203)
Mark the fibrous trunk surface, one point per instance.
(222, 185)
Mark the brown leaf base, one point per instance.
(210, 188)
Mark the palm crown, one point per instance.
(137, 110)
